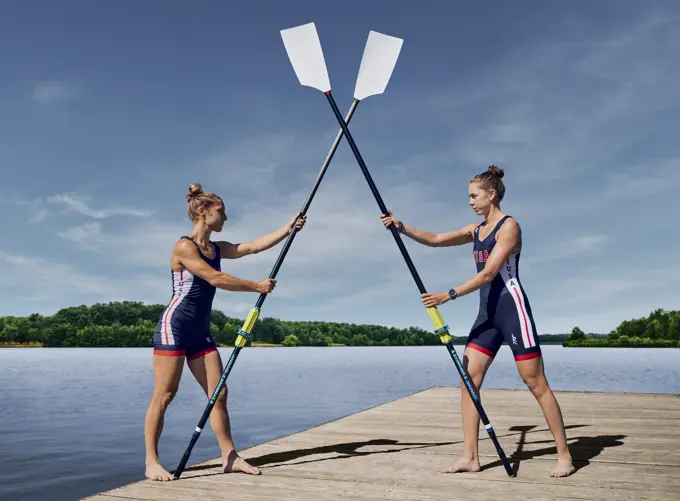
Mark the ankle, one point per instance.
(150, 461)
(470, 456)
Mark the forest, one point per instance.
(132, 324)
(660, 329)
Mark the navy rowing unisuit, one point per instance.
(504, 310)
(184, 326)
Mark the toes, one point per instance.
(245, 467)
(560, 474)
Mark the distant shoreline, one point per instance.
(132, 324)
(272, 345)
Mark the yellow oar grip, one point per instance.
(246, 329)
(440, 327)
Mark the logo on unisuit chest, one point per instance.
(481, 257)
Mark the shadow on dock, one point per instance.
(582, 449)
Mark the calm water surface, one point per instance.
(71, 420)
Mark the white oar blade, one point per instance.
(305, 54)
(377, 64)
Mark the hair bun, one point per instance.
(195, 189)
(496, 171)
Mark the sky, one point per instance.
(110, 110)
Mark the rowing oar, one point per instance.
(377, 64)
(306, 56)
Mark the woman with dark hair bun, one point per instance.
(504, 311)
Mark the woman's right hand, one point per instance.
(265, 286)
(389, 219)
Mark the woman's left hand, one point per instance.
(300, 222)
(435, 298)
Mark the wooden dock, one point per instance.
(625, 447)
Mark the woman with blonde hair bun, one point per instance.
(183, 330)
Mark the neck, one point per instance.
(201, 234)
(494, 214)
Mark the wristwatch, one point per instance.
(453, 294)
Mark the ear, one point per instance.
(492, 194)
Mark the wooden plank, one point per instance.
(625, 447)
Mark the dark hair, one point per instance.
(491, 180)
(199, 199)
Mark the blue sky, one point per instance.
(111, 109)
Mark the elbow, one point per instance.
(487, 276)
(248, 249)
(214, 279)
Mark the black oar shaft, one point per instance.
(305, 207)
(474, 395)
(376, 194)
(208, 409)
(206, 412)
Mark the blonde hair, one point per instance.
(491, 180)
(200, 200)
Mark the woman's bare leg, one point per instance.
(167, 373)
(208, 370)
(532, 373)
(476, 363)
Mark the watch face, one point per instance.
(452, 293)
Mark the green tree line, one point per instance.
(660, 329)
(132, 324)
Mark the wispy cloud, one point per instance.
(32, 206)
(555, 110)
(574, 247)
(54, 91)
(17, 200)
(47, 285)
(39, 216)
(598, 299)
(645, 179)
(72, 202)
(82, 234)
(251, 164)
(76, 203)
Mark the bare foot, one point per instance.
(154, 471)
(234, 463)
(564, 468)
(464, 464)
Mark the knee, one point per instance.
(537, 384)
(164, 397)
(476, 377)
(222, 397)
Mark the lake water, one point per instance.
(71, 420)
